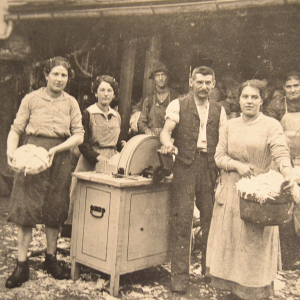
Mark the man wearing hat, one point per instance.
(151, 120)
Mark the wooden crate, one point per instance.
(133, 232)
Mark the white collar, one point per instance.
(253, 122)
(41, 92)
(94, 109)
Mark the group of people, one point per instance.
(237, 256)
(212, 154)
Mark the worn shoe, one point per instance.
(179, 286)
(52, 266)
(19, 275)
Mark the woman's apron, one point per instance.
(105, 135)
(291, 126)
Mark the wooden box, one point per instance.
(120, 225)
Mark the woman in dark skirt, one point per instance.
(50, 118)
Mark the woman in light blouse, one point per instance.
(50, 118)
(243, 257)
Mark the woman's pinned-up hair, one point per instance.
(110, 80)
(260, 85)
(50, 63)
(292, 75)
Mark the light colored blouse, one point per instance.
(104, 127)
(41, 115)
(256, 143)
(102, 131)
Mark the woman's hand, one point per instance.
(10, 157)
(102, 159)
(245, 170)
(288, 185)
(51, 154)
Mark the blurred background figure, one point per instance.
(287, 110)
(152, 117)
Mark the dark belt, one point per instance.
(38, 137)
(46, 142)
(201, 152)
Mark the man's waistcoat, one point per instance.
(187, 130)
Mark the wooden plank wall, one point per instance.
(126, 81)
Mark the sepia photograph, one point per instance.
(150, 149)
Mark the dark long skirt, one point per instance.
(42, 198)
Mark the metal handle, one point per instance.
(98, 209)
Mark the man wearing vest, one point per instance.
(152, 117)
(194, 123)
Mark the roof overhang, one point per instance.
(148, 10)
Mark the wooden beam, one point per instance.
(145, 10)
(82, 81)
(152, 55)
(126, 82)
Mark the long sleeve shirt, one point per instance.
(256, 143)
(41, 115)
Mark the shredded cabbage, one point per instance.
(265, 186)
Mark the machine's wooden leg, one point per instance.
(75, 268)
(114, 284)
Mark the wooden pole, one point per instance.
(82, 82)
(126, 81)
(152, 55)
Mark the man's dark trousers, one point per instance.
(198, 180)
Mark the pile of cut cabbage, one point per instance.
(266, 186)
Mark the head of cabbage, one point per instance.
(31, 159)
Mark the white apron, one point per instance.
(291, 126)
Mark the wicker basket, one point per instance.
(270, 213)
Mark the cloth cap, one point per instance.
(158, 67)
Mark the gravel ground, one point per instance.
(152, 283)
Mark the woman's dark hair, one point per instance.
(292, 75)
(260, 85)
(110, 80)
(50, 63)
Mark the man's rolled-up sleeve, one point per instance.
(172, 111)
